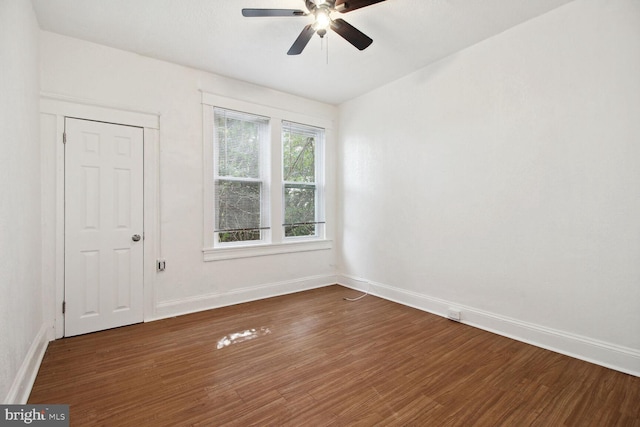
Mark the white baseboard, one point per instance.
(609, 355)
(26, 376)
(177, 307)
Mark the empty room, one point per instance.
(320, 212)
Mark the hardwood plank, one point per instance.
(312, 358)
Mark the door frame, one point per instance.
(53, 111)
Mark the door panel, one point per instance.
(103, 211)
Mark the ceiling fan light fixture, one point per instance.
(323, 20)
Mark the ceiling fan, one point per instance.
(322, 10)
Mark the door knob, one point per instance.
(135, 237)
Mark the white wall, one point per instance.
(505, 180)
(82, 70)
(22, 333)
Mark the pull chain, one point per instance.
(322, 45)
(327, 36)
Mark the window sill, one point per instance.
(218, 254)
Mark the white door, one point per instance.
(103, 226)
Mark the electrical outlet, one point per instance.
(162, 264)
(454, 314)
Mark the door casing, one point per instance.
(53, 110)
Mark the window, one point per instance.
(263, 180)
(302, 202)
(240, 142)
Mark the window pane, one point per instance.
(300, 210)
(300, 145)
(240, 141)
(238, 137)
(298, 157)
(238, 210)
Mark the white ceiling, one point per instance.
(212, 35)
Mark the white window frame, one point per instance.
(277, 243)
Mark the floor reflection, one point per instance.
(238, 337)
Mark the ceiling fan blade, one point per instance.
(344, 6)
(251, 13)
(351, 34)
(302, 40)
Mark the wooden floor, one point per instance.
(313, 359)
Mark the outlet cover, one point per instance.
(454, 314)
